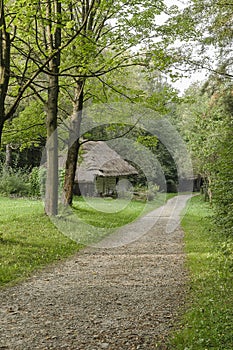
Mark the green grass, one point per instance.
(93, 219)
(208, 321)
(111, 213)
(29, 240)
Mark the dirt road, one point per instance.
(124, 297)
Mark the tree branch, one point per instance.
(43, 66)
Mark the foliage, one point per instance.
(205, 38)
(207, 322)
(26, 158)
(14, 182)
(212, 19)
(136, 84)
(171, 186)
(21, 183)
(27, 130)
(206, 123)
(222, 170)
(35, 182)
(191, 121)
(149, 141)
(167, 163)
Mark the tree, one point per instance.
(205, 121)
(105, 49)
(220, 168)
(19, 69)
(29, 49)
(204, 37)
(53, 42)
(5, 47)
(37, 56)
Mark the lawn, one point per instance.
(29, 240)
(115, 213)
(208, 319)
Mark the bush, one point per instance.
(221, 171)
(146, 192)
(18, 182)
(152, 191)
(171, 186)
(223, 189)
(14, 182)
(35, 182)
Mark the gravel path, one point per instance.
(123, 298)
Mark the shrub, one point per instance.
(18, 182)
(171, 186)
(221, 171)
(14, 182)
(146, 192)
(152, 191)
(150, 196)
(35, 182)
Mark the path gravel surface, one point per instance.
(124, 297)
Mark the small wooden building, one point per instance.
(101, 170)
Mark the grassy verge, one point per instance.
(207, 324)
(29, 240)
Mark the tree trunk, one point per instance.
(51, 196)
(54, 42)
(74, 144)
(1, 126)
(5, 45)
(71, 165)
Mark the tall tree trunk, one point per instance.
(51, 196)
(1, 125)
(54, 42)
(5, 45)
(74, 144)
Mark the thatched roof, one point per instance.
(98, 159)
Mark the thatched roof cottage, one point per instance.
(100, 170)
